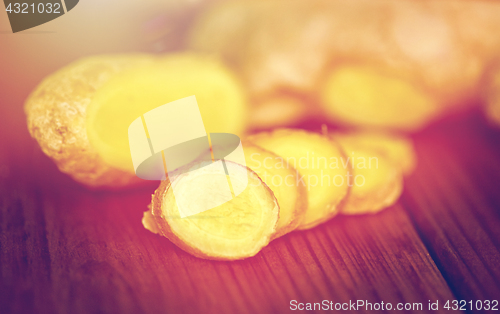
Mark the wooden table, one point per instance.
(66, 249)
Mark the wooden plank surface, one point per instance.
(68, 249)
(65, 249)
(453, 199)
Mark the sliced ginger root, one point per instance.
(127, 96)
(278, 111)
(376, 182)
(398, 149)
(56, 113)
(442, 47)
(148, 221)
(318, 161)
(281, 178)
(362, 96)
(236, 229)
(80, 115)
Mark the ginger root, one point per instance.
(295, 170)
(56, 112)
(397, 148)
(81, 114)
(236, 229)
(377, 182)
(363, 97)
(281, 178)
(318, 161)
(438, 49)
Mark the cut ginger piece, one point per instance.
(56, 112)
(363, 96)
(318, 160)
(278, 111)
(235, 229)
(130, 94)
(398, 149)
(281, 178)
(376, 181)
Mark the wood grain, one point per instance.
(454, 202)
(72, 250)
(68, 249)
(64, 248)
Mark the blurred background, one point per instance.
(423, 59)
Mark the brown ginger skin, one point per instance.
(56, 113)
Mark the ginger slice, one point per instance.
(125, 97)
(442, 46)
(237, 228)
(278, 111)
(398, 149)
(149, 222)
(319, 162)
(362, 96)
(376, 181)
(281, 178)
